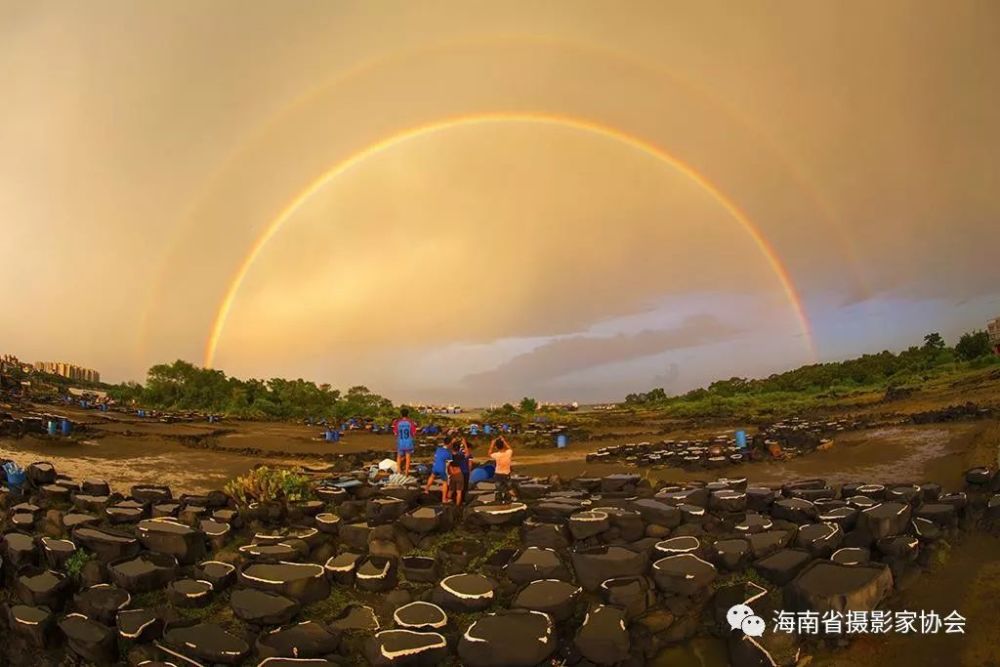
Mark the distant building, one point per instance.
(71, 371)
(9, 363)
(993, 328)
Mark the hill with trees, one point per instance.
(816, 384)
(182, 386)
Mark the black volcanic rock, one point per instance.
(32, 623)
(465, 593)
(169, 537)
(207, 642)
(406, 647)
(263, 607)
(603, 637)
(420, 615)
(683, 574)
(828, 586)
(92, 641)
(304, 582)
(139, 625)
(41, 587)
(536, 563)
(308, 639)
(102, 602)
(556, 598)
(107, 545)
(144, 573)
(487, 642)
(596, 565)
(783, 565)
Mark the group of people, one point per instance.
(452, 466)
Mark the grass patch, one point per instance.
(327, 609)
(149, 600)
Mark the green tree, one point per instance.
(184, 386)
(934, 341)
(528, 405)
(973, 345)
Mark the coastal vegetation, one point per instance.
(182, 386)
(826, 385)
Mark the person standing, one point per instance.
(501, 452)
(439, 470)
(460, 457)
(405, 430)
(454, 493)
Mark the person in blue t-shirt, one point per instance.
(405, 430)
(439, 470)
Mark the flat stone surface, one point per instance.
(420, 615)
(487, 642)
(207, 641)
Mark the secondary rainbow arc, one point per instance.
(274, 226)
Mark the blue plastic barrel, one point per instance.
(53, 427)
(561, 440)
(66, 426)
(487, 429)
(473, 430)
(741, 439)
(331, 436)
(481, 474)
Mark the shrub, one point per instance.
(75, 563)
(265, 484)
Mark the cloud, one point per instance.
(562, 356)
(668, 377)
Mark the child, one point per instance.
(455, 484)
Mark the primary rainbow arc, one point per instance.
(584, 125)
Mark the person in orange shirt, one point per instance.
(501, 452)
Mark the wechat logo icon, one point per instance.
(741, 617)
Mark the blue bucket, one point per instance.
(14, 473)
(561, 440)
(741, 439)
(66, 426)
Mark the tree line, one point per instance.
(182, 386)
(867, 371)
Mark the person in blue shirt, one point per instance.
(439, 470)
(405, 430)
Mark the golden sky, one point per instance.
(562, 225)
